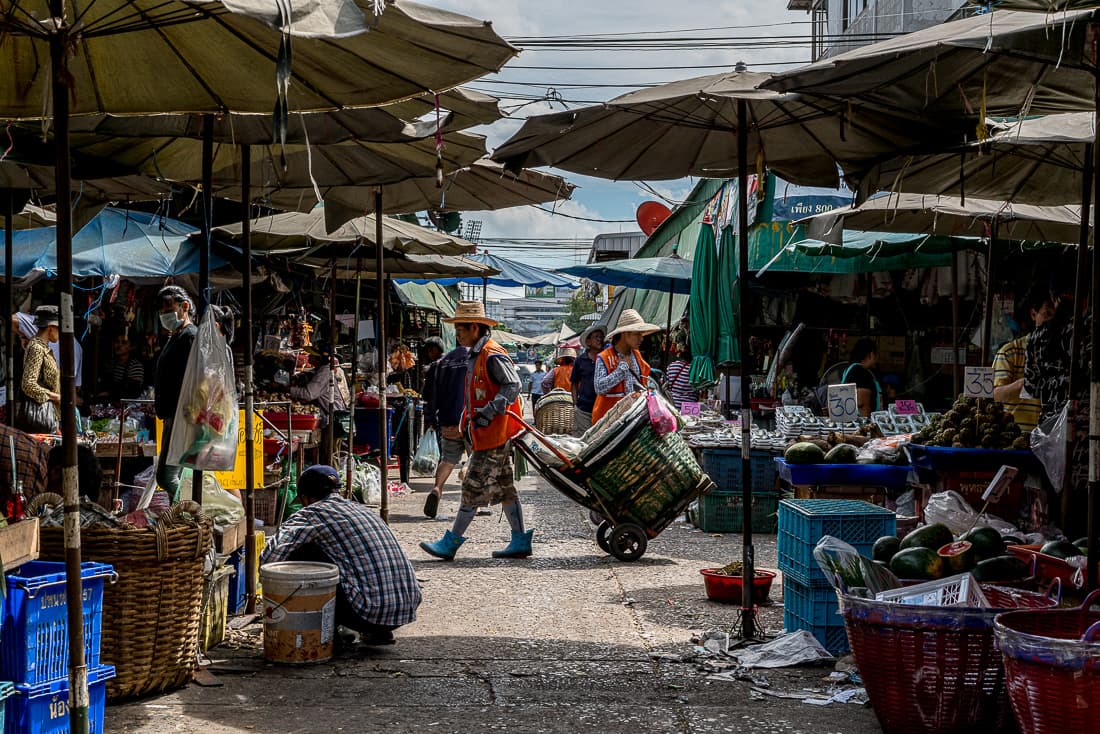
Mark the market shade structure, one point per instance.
(398, 265)
(1039, 160)
(1047, 6)
(684, 128)
(670, 274)
(202, 57)
(514, 274)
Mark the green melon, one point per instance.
(917, 563)
(932, 537)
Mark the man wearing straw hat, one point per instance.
(492, 391)
(620, 369)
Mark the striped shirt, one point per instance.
(678, 384)
(375, 574)
(1008, 367)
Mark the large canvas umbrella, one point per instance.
(511, 274)
(671, 274)
(683, 128)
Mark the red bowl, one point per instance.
(728, 588)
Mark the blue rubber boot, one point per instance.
(519, 547)
(445, 547)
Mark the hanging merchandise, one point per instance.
(204, 434)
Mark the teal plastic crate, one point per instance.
(44, 708)
(723, 466)
(803, 522)
(721, 512)
(815, 609)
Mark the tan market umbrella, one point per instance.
(405, 267)
(687, 128)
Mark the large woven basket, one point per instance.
(152, 614)
(934, 670)
(554, 413)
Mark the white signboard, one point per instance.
(978, 382)
(843, 406)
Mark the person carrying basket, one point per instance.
(620, 369)
(491, 392)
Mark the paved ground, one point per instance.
(561, 642)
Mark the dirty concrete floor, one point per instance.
(560, 642)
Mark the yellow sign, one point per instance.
(236, 479)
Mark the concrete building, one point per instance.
(615, 246)
(841, 25)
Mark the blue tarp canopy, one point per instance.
(116, 242)
(512, 274)
(671, 274)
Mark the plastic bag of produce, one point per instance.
(426, 459)
(204, 433)
(1048, 443)
(848, 571)
(660, 414)
(956, 513)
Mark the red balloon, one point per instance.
(650, 215)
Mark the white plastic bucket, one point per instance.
(299, 606)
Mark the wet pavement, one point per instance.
(565, 641)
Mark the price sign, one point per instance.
(843, 407)
(978, 382)
(1000, 484)
(906, 407)
(691, 409)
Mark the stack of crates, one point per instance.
(720, 511)
(809, 600)
(34, 648)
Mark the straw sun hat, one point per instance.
(631, 320)
(471, 312)
(567, 353)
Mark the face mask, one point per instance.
(170, 321)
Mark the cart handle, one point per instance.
(542, 439)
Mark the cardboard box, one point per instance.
(231, 538)
(19, 543)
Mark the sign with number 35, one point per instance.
(978, 382)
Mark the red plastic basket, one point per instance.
(1052, 664)
(723, 588)
(1047, 568)
(934, 670)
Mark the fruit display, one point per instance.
(973, 423)
(931, 552)
(804, 452)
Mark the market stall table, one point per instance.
(968, 471)
(871, 482)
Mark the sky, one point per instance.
(741, 23)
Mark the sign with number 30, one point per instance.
(843, 407)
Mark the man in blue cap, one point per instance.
(378, 589)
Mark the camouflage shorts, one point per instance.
(490, 478)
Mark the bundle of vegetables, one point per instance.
(973, 423)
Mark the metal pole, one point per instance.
(1080, 296)
(1094, 387)
(204, 251)
(249, 388)
(956, 372)
(748, 560)
(354, 364)
(987, 320)
(333, 337)
(9, 299)
(668, 331)
(485, 291)
(78, 670)
(380, 316)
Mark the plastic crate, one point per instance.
(720, 512)
(35, 644)
(723, 466)
(803, 522)
(7, 690)
(366, 429)
(215, 608)
(867, 475)
(816, 609)
(44, 708)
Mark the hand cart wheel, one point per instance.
(628, 542)
(603, 536)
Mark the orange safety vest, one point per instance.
(611, 361)
(480, 391)
(563, 376)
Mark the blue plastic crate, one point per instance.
(44, 708)
(815, 609)
(238, 594)
(870, 475)
(35, 644)
(7, 690)
(723, 466)
(366, 429)
(803, 522)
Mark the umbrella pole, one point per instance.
(668, 332)
(484, 291)
(1094, 387)
(956, 377)
(204, 251)
(249, 387)
(78, 670)
(9, 299)
(333, 336)
(383, 424)
(987, 319)
(1080, 296)
(748, 625)
(354, 366)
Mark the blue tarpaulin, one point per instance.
(116, 242)
(512, 274)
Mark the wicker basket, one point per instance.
(934, 670)
(1052, 664)
(151, 616)
(554, 413)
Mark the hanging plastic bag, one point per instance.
(204, 433)
(846, 569)
(951, 509)
(1048, 443)
(426, 459)
(660, 414)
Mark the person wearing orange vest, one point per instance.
(620, 369)
(492, 392)
(561, 377)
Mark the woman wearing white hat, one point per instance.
(620, 369)
(560, 378)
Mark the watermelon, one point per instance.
(917, 563)
(842, 453)
(1060, 549)
(1001, 568)
(932, 537)
(959, 556)
(885, 548)
(804, 452)
(987, 542)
